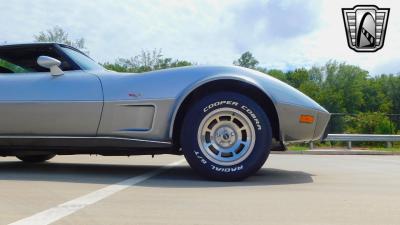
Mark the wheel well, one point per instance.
(227, 85)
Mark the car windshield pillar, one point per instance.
(82, 60)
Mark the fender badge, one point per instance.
(134, 95)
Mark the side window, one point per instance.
(24, 59)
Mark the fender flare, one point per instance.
(187, 91)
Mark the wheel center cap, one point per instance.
(225, 136)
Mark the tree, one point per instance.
(278, 74)
(390, 86)
(58, 35)
(375, 98)
(246, 60)
(369, 123)
(297, 77)
(144, 62)
(342, 90)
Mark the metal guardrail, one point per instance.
(349, 138)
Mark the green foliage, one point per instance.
(345, 89)
(369, 123)
(298, 147)
(297, 77)
(278, 74)
(144, 62)
(58, 35)
(375, 98)
(246, 60)
(390, 87)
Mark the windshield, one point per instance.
(82, 60)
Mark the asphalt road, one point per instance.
(290, 189)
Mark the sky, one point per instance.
(281, 34)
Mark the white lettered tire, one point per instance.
(226, 136)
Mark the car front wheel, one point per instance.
(226, 136)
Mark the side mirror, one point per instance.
(50, 63)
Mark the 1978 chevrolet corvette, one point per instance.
(55, 100)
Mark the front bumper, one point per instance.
(292, 130)
(321, 124)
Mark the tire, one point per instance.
(226, 136)
(35, 158)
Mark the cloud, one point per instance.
(281, 34)
(328, 41)
(272, 21)
(388, 67)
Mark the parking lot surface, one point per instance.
(290, 189)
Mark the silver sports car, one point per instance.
(55, 100)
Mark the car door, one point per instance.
(33, 102)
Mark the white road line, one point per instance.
(53, 214)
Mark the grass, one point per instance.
(302, 147)
(394, 149)
(297, 148)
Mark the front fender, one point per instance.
(206, 80)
